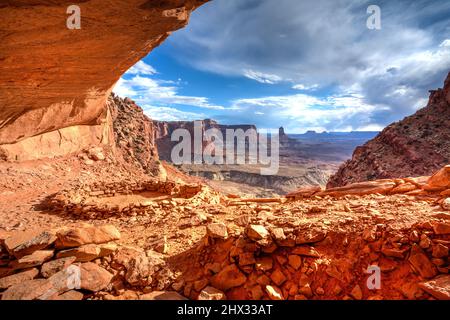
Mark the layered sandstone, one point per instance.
(54, 82)
(416, 146)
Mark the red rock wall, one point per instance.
(53, 79)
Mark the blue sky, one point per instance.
(304, 65)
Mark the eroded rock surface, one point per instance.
(54, 82)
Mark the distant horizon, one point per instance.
(270, 129)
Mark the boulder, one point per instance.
(138, 270)
(295, 261)
(361, 188)
(93, 277)
(278, 277)
(161, 245)
(441, 179)
(438, 287)
(420, 263)
(84, 253)
(217, 231)
(357, 293)
(305, 192)
(107, 249)
(246, 259)
(229, 277)
(310, 236)
(28, 290)
(50, 268)
(274, 293)
(306, 251)
(257, 232)
(18, 278)
(124, 255)
(88, 276)
(278, 234)
(264, 264)
(404, 188)
(75, 237)
(37, 258)
(441, 228)
(446, 204)
(210, 293)
(23, 243)
(440, 251)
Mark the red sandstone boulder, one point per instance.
(210, 293)
(23, 243)
(421, 264)
(306, 192)
(361, 188)
(28, 290)
(440, 180)
(438, 287)
(18, 278)
(75, 237)
(229, 277)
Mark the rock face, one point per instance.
(134, 134)
(415, 146)
(54, 82)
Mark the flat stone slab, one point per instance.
(439, 287)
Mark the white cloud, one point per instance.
(171, 114)
(370, 127)
(145, 90)
(262, 77)
(305, 87)
(302, 112)
(142, 68)
(445, 43)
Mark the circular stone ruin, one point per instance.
(105, 199)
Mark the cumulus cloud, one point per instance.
(325, 42)
(301, 112)
(142, 68)
(171, 114)
(138, 85)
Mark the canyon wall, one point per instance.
(54, 82)
(134, 135)
(416, 146)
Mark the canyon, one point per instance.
(88, 209)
